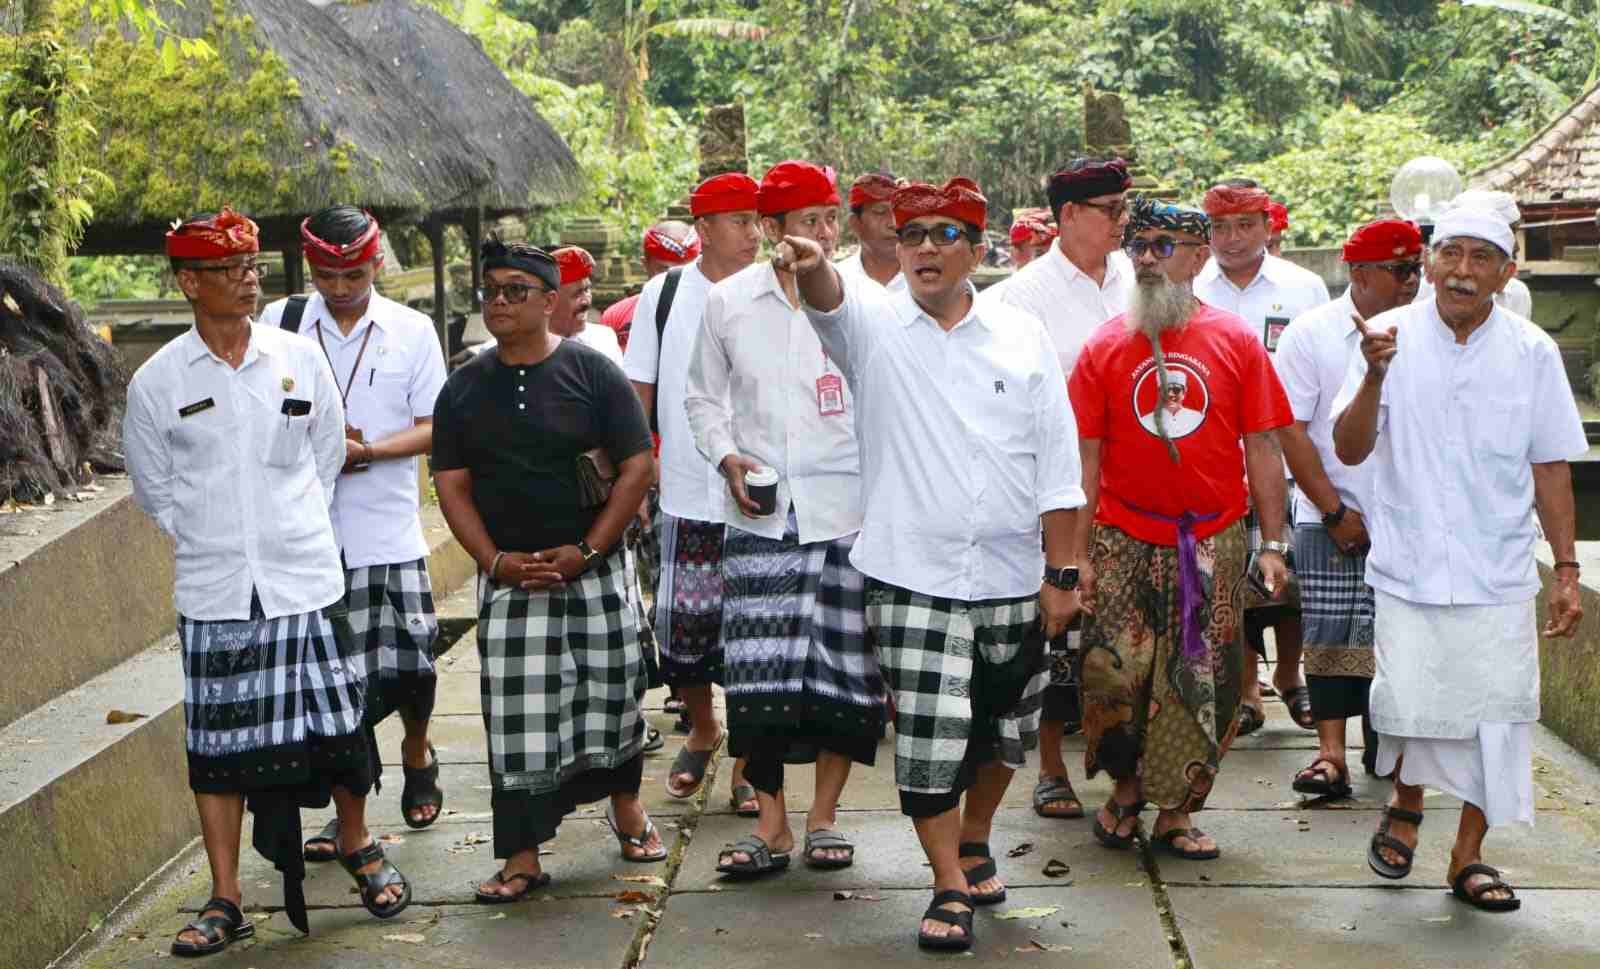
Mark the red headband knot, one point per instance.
(1227, 200)
(1278, 213)
(791, 185)
(873, 187)
(1032, 227)
(959, 199)
(575, 262)
(333, 255)
(226, 234)
(729, 192)
(1383, 240)
(663, 248)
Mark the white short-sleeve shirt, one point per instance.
(851, 267)
(1312, 361)
(967, 437)
(691, 487)
(1459, 426)
(1280, 292)
(1068, 300)
(388, 387)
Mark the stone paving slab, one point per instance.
(1261, 779)
(1111, 926)
(566, 933)
(443, 871)
(1295, 928)
(889, 856)
(1330, 848)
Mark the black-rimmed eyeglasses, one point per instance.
(1162, 246)
(944, 234)
(513, 292)
(1402, 271)
(234, 272)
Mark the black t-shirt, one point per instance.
(520, 429)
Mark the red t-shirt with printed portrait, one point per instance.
(1220, 387)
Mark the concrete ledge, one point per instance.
(83, 586)
(88, 809)
(1569, 669)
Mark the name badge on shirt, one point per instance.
(1272, 331)
(189, 410)
(830, 395)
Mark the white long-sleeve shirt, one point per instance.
(967, 437)
(242, 487)
(760, 385)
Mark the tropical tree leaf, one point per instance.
(1531, 9)
(718, 27)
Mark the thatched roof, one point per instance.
(354, 134)
(446, 72)
(1560, 165)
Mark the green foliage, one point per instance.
(95, 278)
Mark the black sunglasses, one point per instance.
(513, 292)
(1162, 246)
(1402, 271)
(944, 234)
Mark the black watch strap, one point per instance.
(1065, 578)
(1333, 518)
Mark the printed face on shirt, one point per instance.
(1241, 239)
(346, 290)
(730, 237)
(819, 223)
(572, 307)
(503, 318)
(934, 272)
(1183, 401)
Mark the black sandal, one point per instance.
(1298, 702)
(1381, 839)
(220, 931)
(640, 842)
(372, 884)
(693, 763)
(982, 872)
(738, 795)
(1319, 783)
(1250, 720)
(1056, 790)
(762, 861)
(1168, 841)
(1474, 896)
(422, 790)
(1122, 813)
(653, 741)
(961, 920)
(530, 882)
(328, 837)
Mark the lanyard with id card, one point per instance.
(830, 391)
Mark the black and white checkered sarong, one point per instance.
(1336, 606)
(562, 678)
(261, 684)
(929, 648)
(391, 614)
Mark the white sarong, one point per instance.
(1455, 695)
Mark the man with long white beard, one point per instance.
(1162, 568)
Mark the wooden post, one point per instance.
(294, 272)
(474, 226)
(441, 313)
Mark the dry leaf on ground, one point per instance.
(123, 716)
(1020, 850)
(413, 938)
(1036, 912)
(632, 896)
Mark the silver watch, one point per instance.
(1282, 548)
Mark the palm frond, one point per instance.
(718, 27)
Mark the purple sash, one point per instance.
(1191, 596)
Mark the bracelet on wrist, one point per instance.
(494, 566)
(1568, 565)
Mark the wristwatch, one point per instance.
(588, 552)
(1064, 578)
(1333, 518)
(1282, 548)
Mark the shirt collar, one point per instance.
(910, 312)
(317, 311)
(195, 349)
(767, 284)
(1268, 271)
(1062, 264)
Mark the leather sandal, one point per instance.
(981, 872)
(375, 882)
(827, 839)
(1168, 841)
(1474, 896)
(1111, 839)
(1382, 839)
(640, 842)
(1298, 702)
(1250, 720)
(220, 931)
(761, 859)
(741, 794)
(1323, 778)
(961, 920)
(529, 883)
(1056, 790)
(693, 763)
(327, 838)
(422, 790)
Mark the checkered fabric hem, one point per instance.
(391, 614)
(562, 678)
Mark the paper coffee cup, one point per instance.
(762, 485)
